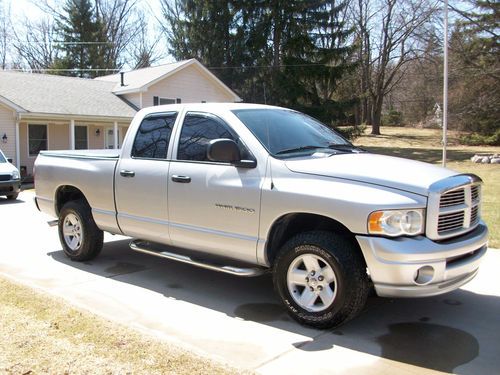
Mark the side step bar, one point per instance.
(53, 223)
(142, 247)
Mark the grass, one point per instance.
(41, 334)
(425, 145)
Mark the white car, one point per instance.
(10, 179)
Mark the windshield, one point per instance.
(283, 131)
(2, 157)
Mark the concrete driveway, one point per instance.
(240, 320)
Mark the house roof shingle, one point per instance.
(49, 94)
(140, 79)
(137, 79)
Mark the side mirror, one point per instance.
(227, 151)
(10, 160)
(223, 150)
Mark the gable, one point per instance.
(191, 85)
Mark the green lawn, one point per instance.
(425, 145)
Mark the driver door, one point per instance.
(213, 207)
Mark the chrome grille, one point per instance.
(452, 198)
(454, 206)
(474, 215)
(449, 222)
(474, 193)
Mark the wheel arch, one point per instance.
(291, 224)
(68, 193)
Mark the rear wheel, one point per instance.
(12, 197)
(80, 237)
(321, 279)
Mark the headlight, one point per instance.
(397, 222)
(15, 175)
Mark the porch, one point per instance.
(34, 134)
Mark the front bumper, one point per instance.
(10, 187)
(394, 263)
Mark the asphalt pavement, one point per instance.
(240, 321)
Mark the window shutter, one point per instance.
(178, 100)
(155, 100)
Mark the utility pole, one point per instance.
(445, 83)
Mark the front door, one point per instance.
(213, 207)
(141, 181)
(110, 139)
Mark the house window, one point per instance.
(37, 139)
(162, 101)
(81, 138)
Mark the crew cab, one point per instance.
(247, 189)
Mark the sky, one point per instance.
(28, 8)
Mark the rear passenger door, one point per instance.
(213, 207)
(142, 181)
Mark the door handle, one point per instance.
(181, 179)
(125, 173)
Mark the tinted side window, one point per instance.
(197, 131)
(153, 136)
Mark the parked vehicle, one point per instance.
(245, 189)
(10, 179)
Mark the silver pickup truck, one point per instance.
(245, 189)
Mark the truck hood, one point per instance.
(388, 171)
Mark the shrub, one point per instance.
(476, 139)
(392, 118)
(351, 132)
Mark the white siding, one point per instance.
(191, 85)
(135, 99)
(8, 127)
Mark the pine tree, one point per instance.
(315, 57)
(285, 52)
(81, 33)
(205, 30)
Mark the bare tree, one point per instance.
(122, 25)
(145, 51)
(386, 35)
(4, 34)
(34, 43)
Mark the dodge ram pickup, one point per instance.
(247, 189)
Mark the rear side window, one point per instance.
(153, 136)
(197, 131)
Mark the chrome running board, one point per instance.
(146, 248)
(52, 223)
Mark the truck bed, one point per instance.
(86, 154)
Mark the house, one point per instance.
(48, 112)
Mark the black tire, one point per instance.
(334, 253)
(12, 197)
(88, 243)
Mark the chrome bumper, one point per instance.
(395, 264)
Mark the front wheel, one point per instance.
(80, 237)
(12, 197)
(321, 279)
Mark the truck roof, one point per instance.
(216, 107)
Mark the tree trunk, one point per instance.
(377, 114)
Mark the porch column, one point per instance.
(18, 152)
(115, 135)
(72, 135)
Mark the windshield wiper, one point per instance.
(301, 148)
(341, 147)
